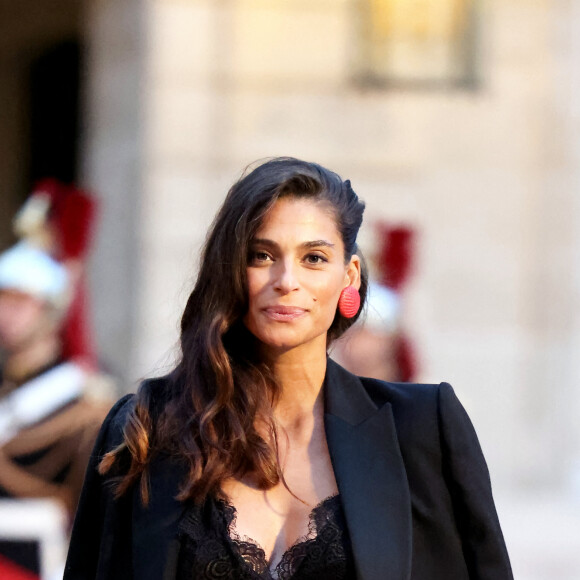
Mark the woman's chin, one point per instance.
(281, 345)
(278, 347)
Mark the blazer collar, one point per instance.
(371, 477)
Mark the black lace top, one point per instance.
(211, 549)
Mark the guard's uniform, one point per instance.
(48, 426)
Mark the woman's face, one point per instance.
(296, 272)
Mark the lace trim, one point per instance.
(213, 550)
(322, 526)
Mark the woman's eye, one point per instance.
(259, 257)
(315, 259)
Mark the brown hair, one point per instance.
(215, 411)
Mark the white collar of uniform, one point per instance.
(39, 397)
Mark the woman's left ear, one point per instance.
(353, 271)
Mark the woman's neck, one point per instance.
(300, 376)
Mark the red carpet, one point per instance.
(11, 571)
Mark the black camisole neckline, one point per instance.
(211, 548)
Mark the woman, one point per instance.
(258, 456)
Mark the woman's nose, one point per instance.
(286, 279)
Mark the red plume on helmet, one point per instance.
(70, 214)
(395, 267)
(396, 257)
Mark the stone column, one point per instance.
(571, 399)
(112, 169)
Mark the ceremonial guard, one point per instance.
(50, 407)
(53, 398)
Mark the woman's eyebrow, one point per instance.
(317, 244)
(264, 242)
(307, 245)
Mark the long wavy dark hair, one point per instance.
(215, 411)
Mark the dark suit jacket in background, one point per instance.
(411, 475)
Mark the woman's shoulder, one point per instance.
(415, 406)
(421, 407)
(409, 401)
(118, 415)
(403, 393)
(111, 433)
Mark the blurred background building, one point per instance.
(459, 118)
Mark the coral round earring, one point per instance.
(349, 302)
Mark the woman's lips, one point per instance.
(284, 313)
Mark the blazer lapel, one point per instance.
(155, 540)
(371, 477)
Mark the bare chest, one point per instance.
(278, 518)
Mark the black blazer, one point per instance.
(411, 475)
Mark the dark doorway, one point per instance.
(40, 62)
(54, 113)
